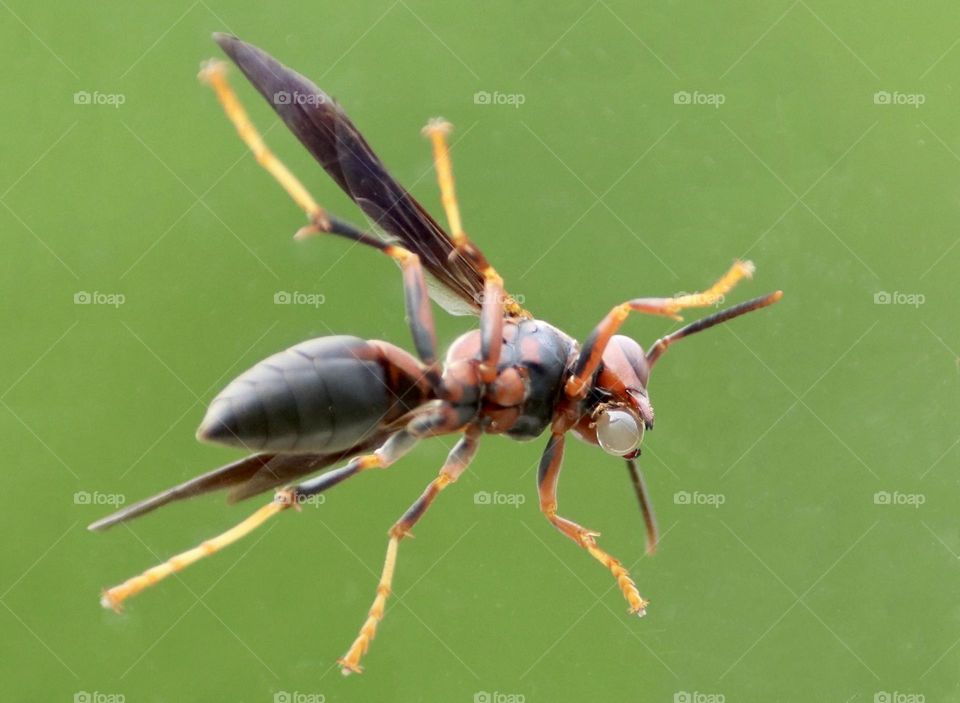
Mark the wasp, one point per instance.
(363, 404)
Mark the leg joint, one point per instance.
(399, 531)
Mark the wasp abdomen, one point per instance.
(325, 394)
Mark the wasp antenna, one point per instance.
(646, 507)
(661, 345)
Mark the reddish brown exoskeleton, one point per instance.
(367, 403)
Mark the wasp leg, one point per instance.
(415, 294)
(418, 308)
(384, 457)
(392, 450)
(114, 597)
(495, 302)
(550, 464)
(214, 74)
(491, 325)
(592, 352)
(656, 350)
(437, 130)
(456, 463)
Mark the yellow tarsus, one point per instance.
(214, 74)
(638, 604)
(437, 130)
(113, 598)
(716, 292)
(350, 662)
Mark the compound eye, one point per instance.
(618, 432)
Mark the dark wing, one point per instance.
(329, 135)
(245, 478)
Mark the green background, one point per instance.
(598, 188)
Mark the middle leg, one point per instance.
(456, 463)
(437, 130)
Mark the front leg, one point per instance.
(550, 464)
(592, 352)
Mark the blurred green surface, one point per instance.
(602, 185)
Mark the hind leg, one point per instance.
(393, 449)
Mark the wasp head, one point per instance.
(618, 407)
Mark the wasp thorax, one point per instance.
(619, 432)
